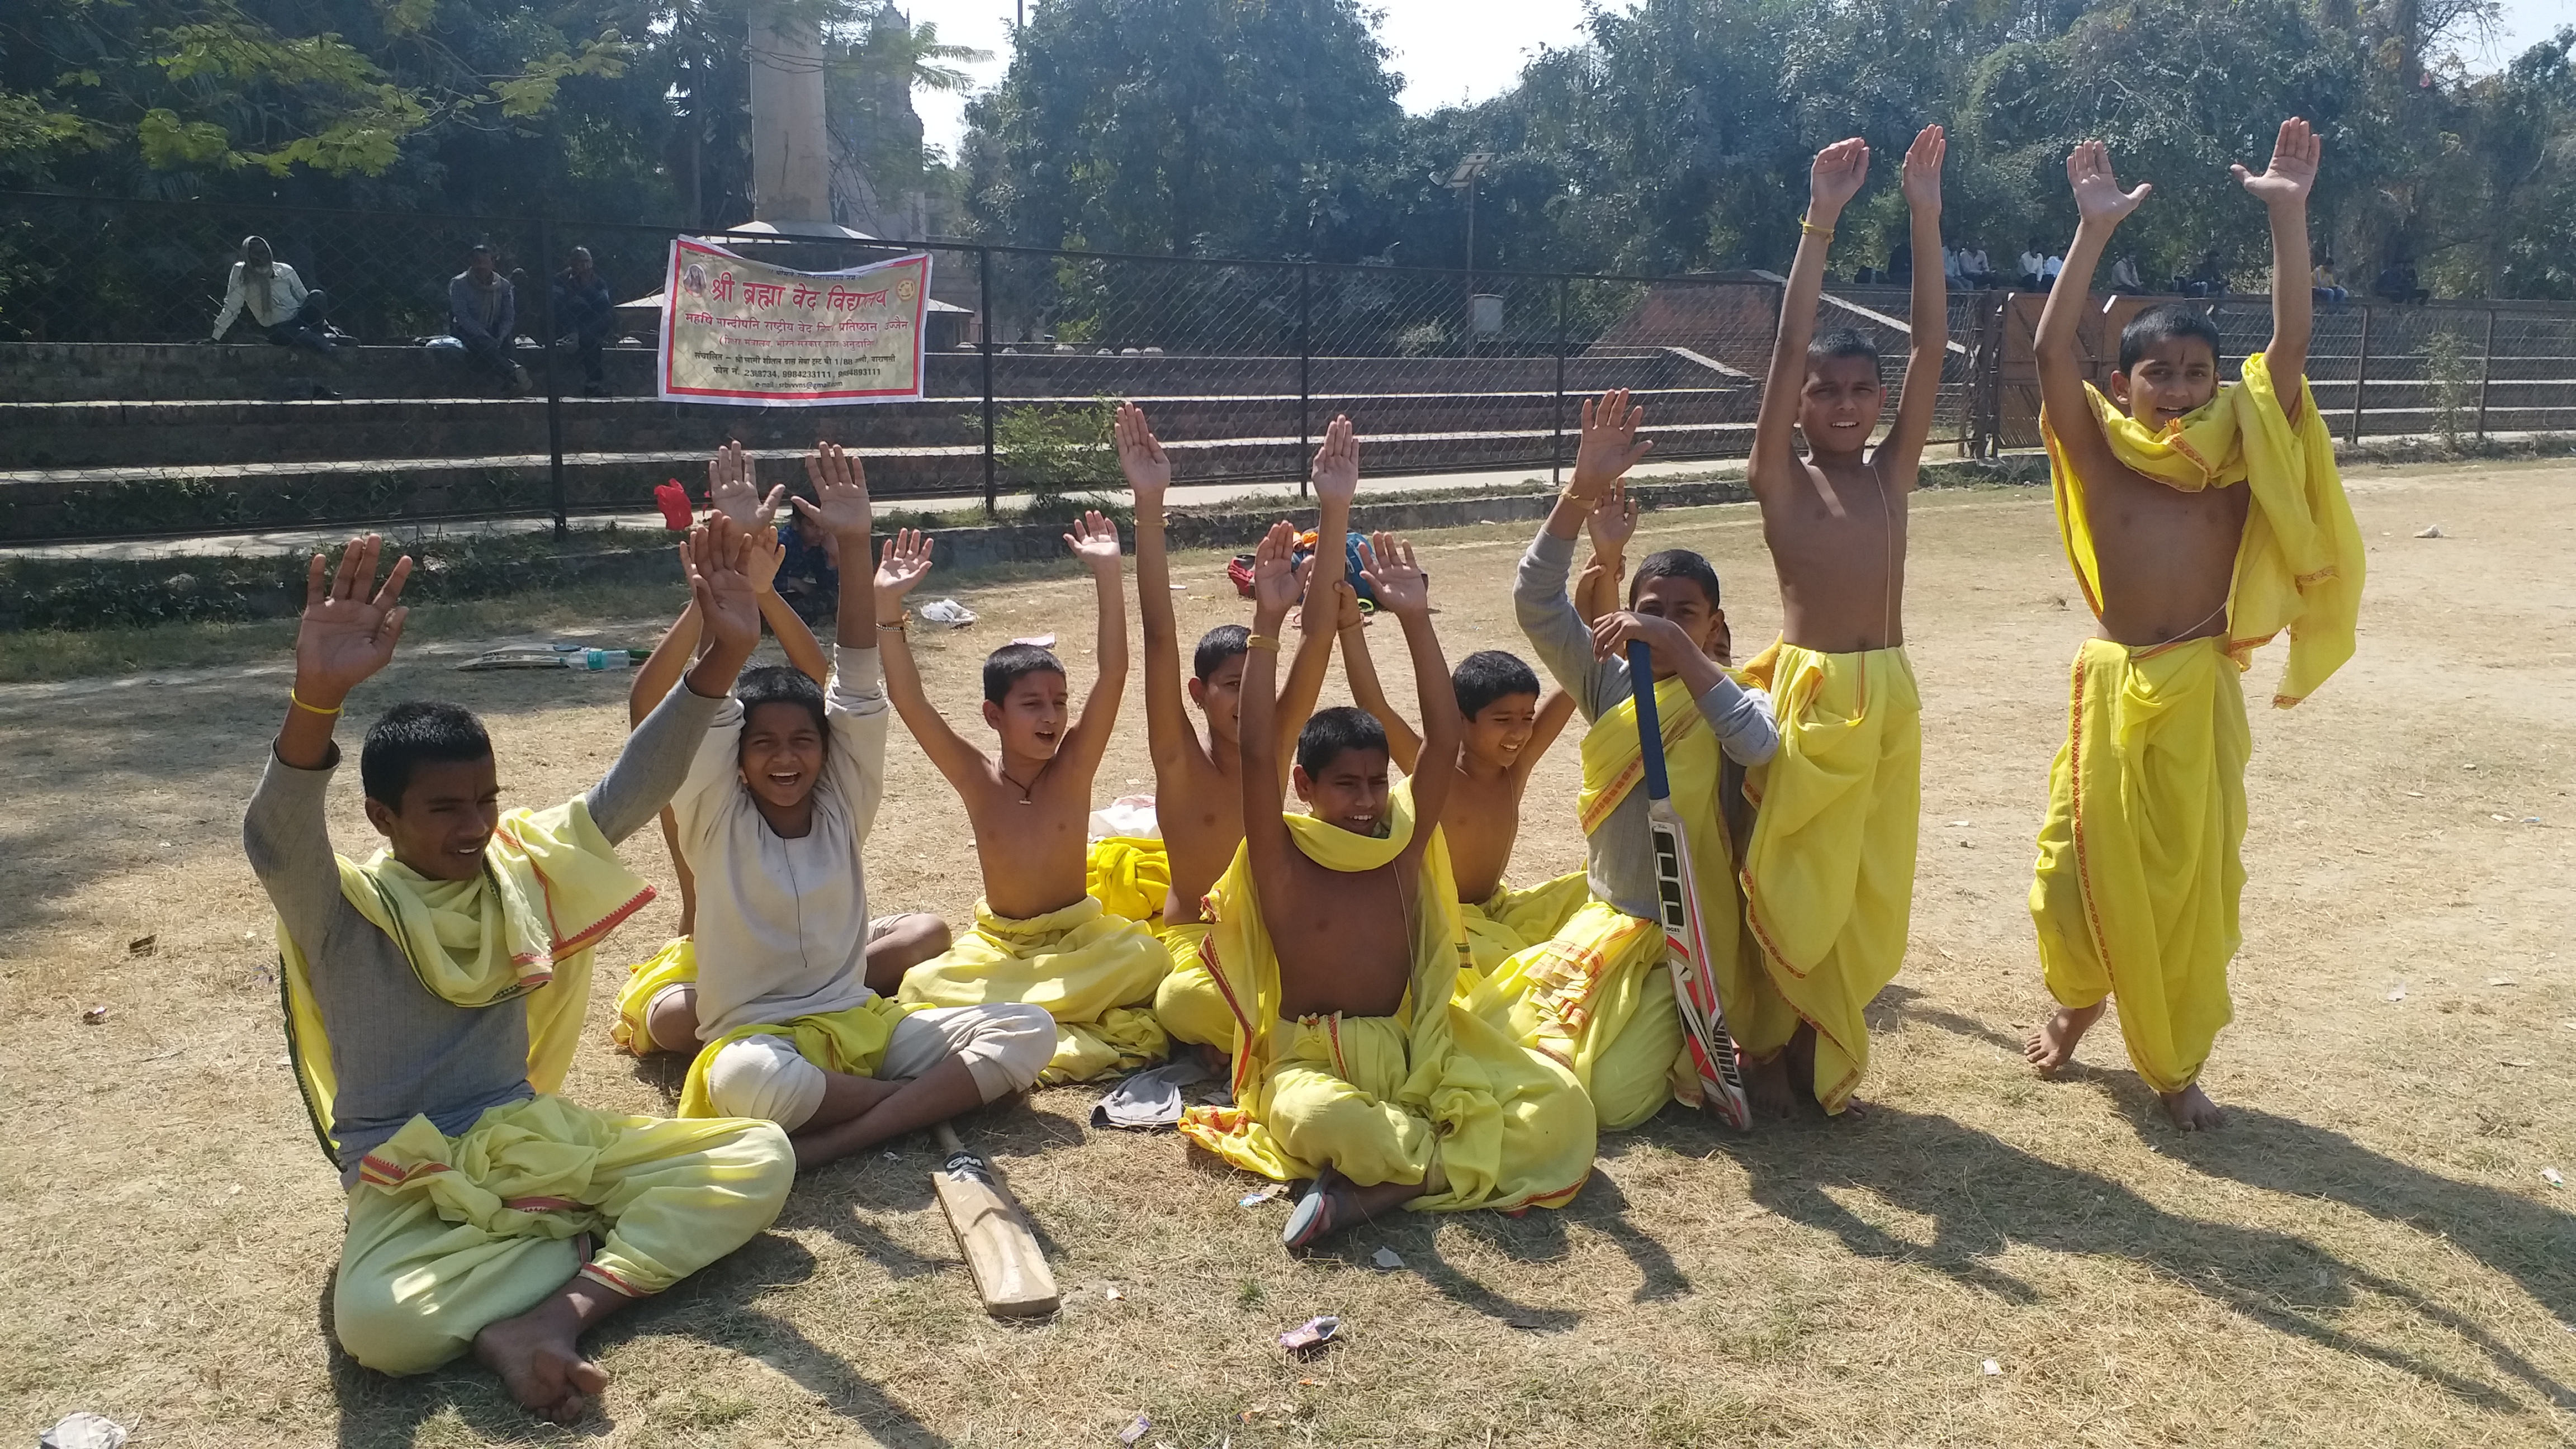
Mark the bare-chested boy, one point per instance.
(1828, 874)
(1508, 727)
(1198, 790)
(1039, 936)
(2202, 521)
(1337, 935)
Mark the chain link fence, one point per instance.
(124, 419)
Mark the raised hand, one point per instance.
(1277, 582)
(1612, 631)
(1337, 462)
(1609, 445)
(1402, 588)
(2098, 197)
(1612, 522)
(350, 626)
(1834, 178)
(1923, 168)
(1094, 540)
(732, 491)
(841, 508)
(1140, 454)
(901, 566)
(724, 579)
(2293, 171)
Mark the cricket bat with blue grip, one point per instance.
(1686, 951)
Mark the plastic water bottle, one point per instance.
(599, 659)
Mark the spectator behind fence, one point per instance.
(584, 313)
(2397, 283)
(483, 313)
(2049, 269)
(2034, 267)
(278, 301)
(1975, 270)
(2124, 274)
(2325, 285)
(809, 575)
(2209, 281)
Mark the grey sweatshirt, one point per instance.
(479, 311)
(1619, 857)
(398, 1050)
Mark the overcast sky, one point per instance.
(1450, 51)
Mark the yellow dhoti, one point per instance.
(447, 1235)
(1189, 1003)
(1828, 874)
(1129, 874)
(1381, 1099)
(2140, 869)
(2139, 865)
(1511, 921)
(1094, 972)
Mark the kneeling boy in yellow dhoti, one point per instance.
(2201, 523)
(435, 993)
(1829, 871)
(1038, 937)
(1597, 994)
(1337, 940)
(1198, 792)
(775, 813)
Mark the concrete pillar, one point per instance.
(791, 163)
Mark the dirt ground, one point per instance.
(2368, 1254)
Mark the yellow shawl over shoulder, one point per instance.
(2300, 566)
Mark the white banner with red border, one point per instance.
(746, 333)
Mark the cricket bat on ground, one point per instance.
(1010, 1272)
(1686, 951)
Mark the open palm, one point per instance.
(1922, 175)
(1608, 446)
(2293, 172)
(727, 572)
(840, 485)
(903, 564)
(1337, 462)
(1276, 584)
(1140, 454)
(1612, 521)
(1401, 586)
(733, 491)
(1834, 177)
(2098, 196)
(350, 626)
(1094, 540)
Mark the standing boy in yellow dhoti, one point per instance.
(1039, 936)
(2201, 522)
(1829, 871)
(779, 1019)
(1597, 994)
(1198, 790)
(434, 995)
(1337, 941)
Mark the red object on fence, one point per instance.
(674, 499)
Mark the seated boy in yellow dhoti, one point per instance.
(1508, 727)
(1039, 936)
(2201, 521)
(1338, 945)
(1198, 791)
(1828, 874)
(435, 993)
(780, 1020)
(1597, 993)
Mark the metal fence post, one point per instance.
(1556, 446)
(1305, 368)
(554, 383)
(2360, 376)
(2486, 373)
(984, 298)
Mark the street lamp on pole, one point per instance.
(1463, 180)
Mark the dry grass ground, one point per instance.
(2368, 1255)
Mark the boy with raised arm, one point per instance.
(661, 990)
(1337, 935)
(435, 993)
(1597, 994)
(2201, 521)
(1040, 937)
(780, 1020)
(1828, 873)
(1198, 791)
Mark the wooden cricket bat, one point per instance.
(1010, 1271)
(1686, 951)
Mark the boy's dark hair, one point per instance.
(1843, 342)
(2163, 324)
(1488, 675)
(1331, 733)
(1004, 666)
(1676, 563)
(1217, 646)
(413, 733)
(783, 684)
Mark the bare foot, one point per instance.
(2191, 1109)
(1766, 1085)
(2053, 1045)
(538, 1356)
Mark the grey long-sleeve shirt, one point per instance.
(1619, 858)
(479, 311)
(397, 1049)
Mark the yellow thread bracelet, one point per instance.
(1811, 229)
(1261, 641)
(298, 702)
